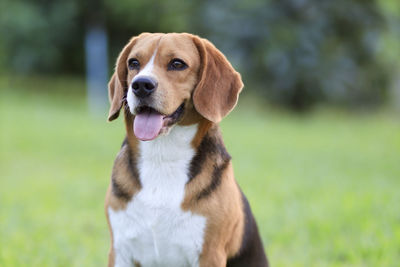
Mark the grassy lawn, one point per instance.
(324, 187)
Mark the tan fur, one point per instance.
(223, 209)
(218, 89)
(173, 87)
(209, 88)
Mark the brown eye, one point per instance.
(177, 64)
(133, 64)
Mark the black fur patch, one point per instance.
(215, 180)
(210, 147)
(130, 163)
(118, 191)
(206, 146)
(251, 252)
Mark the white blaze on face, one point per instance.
(146, 71)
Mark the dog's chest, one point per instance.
(153, 230)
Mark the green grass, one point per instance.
(324, 187)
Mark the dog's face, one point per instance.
(165, 77)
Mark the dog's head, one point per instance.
(166, 78)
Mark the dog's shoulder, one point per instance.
(125, 180)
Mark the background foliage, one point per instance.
(293, 52)
(323, 186)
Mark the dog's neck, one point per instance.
(178, 158)
(173, 147)
(186, 147)
(164, 163)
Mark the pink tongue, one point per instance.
(147, 125)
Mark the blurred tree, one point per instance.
(42, 35)
(293, 52)
(96, 55)
(129, 18)
(299, 52)
(392, 46)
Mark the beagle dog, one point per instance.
(173, 199)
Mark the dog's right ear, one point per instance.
(118, 83)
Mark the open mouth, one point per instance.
(149, 123)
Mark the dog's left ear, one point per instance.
(118, 84)
(115, 95)
(217, 91)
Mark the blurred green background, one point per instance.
(315, 138)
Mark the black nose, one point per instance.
(144, 86)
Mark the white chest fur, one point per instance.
(153, 229)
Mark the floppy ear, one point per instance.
(217, 91)
(118, 83)
(115, 95)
